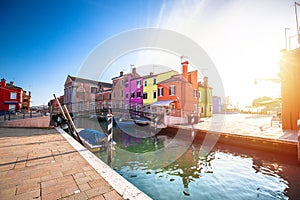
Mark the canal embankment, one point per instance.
(245, 131)
(49, 164)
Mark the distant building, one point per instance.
(13, 97)
(205, 98)
(217, 104)
(80, 93)
(290, 92)
(103, 99)
(26, 101)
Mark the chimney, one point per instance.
(151, 73)
(205, 81)
(121, 73)
(11, 82)
(133, 70)
(29, 94)
(184, 66)
(3, 82)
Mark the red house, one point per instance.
(11, 96)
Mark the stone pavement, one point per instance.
(41, 164)
(247, 125)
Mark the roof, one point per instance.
(163, 103)
(84, 80)
(8, 85)
(175, 78)
(153, 75)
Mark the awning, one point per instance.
(163, 103)
(11, 102)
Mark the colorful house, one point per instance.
(290, 95)
(117, 91)
(128, 87)
(150, 86)
(178, 94)
(205, 98)
(136, 94)
(11, 97)
(217, 104)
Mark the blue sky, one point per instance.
(41, 42)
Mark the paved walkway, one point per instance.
(41, 164)
(248, 125)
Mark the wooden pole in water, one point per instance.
(72, 124)
(110, 122)
(60, 108)
(68, 119)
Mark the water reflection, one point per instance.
(227, 172)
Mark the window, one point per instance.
(172, 90)
(93, 90)
(121, 93)
(145, 83)
(109, 96)
(195, 108)
(126, 95)
(103, 96)
(145, 95)
(126, 84)
(114, 95)
(154, 81)
(195, 92)
(138, 94)
(160, 92)
(13, 95)
(154, 94)
(115, 83)
(122, 82)
(138, 83)
(132, 95)
(11, 107)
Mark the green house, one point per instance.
(205, 98)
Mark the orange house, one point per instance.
(179, 92)
(290, 92)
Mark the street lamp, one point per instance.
(285, 37)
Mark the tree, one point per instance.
(269, 103)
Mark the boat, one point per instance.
(93, 140)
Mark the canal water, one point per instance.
(154, 165)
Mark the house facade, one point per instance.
(136, 94)
(178, 94)
(103, 99)
(205, 98)
(128, 87)
(80, 93)
(150, 83)
(12, 97)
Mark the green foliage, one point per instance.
(269, 103)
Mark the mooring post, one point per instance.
(110, 122)
(298, 131)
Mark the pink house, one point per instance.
(136, 94)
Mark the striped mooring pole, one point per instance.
(109, 138)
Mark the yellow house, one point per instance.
(150, 86)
